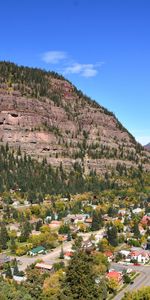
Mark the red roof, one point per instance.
(115, 275)
(108, 253)
(145, 220)
(69, 253)
(88, 220)
(137, 253)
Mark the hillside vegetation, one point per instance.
(46, 116)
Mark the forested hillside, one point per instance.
(46, 116)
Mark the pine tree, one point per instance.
(13, 245)
(97, 221)
(61, 256)
(80, 278)
(16, 270)
(8, 271)
(4, 237)
(112, 235)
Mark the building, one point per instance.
(140, 256)
(44, 267)
(37, 250)
(115, 275)
(145, 220)
(68, 255)
(55, 224)
(109, 255)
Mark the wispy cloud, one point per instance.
(54, 57)
(85, 70)
(68, 65)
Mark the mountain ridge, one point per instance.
(46, 116)
(147, 147)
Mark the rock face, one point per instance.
(62, 125)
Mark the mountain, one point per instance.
(46, 116)
(147, 146)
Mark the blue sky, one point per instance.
(102, 46)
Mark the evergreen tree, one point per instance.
(13, 245)
(4, 237)
(25, 231)
(61, 256)
(97, 221)
(16, 270)
(136, 230)
(80, 278)
(112, 235)
(8, 271)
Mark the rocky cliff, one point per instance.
(47, 117)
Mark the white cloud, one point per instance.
(85, 70)
(68, 65)
(54, 57)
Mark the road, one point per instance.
(142, 280)
(52, 256)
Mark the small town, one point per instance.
(75, 150)
(47, 235)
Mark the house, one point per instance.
(62, 237)
(109, 255)
(141, 229)
(19, 279)
(55, 224)
(125, 253)
(88, 221)
(48, 219)
(115, 275)
(36, 251)
(44, 267)
(140, 256)
(145, 220)
(68, 255)
(122, 212)
(137, 210)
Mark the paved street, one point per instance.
(53, 255)
(142, 280)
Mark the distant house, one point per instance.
(19, 279)
(68, 255)
(125, 253)
(44, 267)
(75, 218)
(140, 256)
(137, 210)
(55, 224)
(88, 221)
(145, 220)
(141, 229)
(37, 250)
(122, 212)
(109, 255)
(115, 275)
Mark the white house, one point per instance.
(140, 256)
